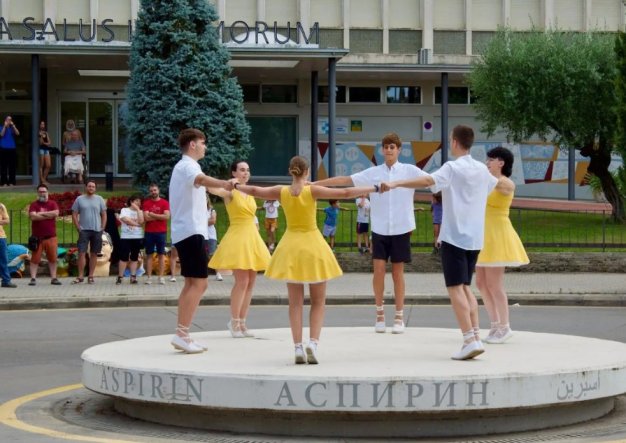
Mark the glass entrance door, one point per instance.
(102, 125)
(100, 135)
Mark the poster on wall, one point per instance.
(356, 125)
(341, 126)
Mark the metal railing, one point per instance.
(538, 229)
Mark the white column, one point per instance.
(427, 23)
(548, 14)
(134, 9)
(93, 14)
(468, 27)
(304, 13)
(260, 10)
(384, 14)
(221, 9)
(587, 10)
(346, 24)
(50, 11)
(506, 12)
(4, 12)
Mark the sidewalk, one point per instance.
(589, 289)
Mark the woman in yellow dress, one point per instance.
(502, 246)
(241, 249)
(302, 256)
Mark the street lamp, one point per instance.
(108, 174)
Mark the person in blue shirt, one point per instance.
(8, 153)
(436, 208)
(330, 222)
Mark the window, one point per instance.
(404, 94)
(275, 141)
(279, 94)
(251, 93)
(457, 95)
(322, 94)
(359, 94)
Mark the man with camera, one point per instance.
(8, 153)
(43, 213)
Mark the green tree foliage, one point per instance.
(620, 110)
(557, 86)
(180, 78)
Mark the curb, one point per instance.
(599, 300)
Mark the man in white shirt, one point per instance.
(465, 184)
(189, 231)
(392, 220)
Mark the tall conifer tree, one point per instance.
(180, 78)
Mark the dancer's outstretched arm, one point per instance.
(267, 193)
(322, 192)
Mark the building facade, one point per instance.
(392, 61)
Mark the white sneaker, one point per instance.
(235, 333)
(173, 279)
(501, 336)
(300, 358)
(161, 281)
(187, 347)
(311, 349)
(148, 281)
(218, 276)
(469, 350)
(398, 327)
(380, 327)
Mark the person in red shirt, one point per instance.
(156, 213)
(43, 213)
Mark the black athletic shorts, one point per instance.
(362, 228)
(193, 256)
(394, 247)
(458, 264)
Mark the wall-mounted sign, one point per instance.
(356, 125)
(241, 33)
(61, 31)
(341, 126)
(428, 127)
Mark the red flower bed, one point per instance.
(117, 202)
(65, 200)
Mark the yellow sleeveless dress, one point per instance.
(241, 247)
(302, 255)
(502, 246)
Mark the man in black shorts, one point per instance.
(189, 231)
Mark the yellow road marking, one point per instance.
(8, 417)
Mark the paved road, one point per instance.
(41, 349)
(592, 289)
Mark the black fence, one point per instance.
(538, 229)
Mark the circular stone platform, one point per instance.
(367, 384)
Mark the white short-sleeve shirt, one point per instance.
(187, 201)
(271, 208)
(211, 231)
(391, 212)
(129, 231)
(464, 184)
(362, 212)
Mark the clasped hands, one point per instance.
(387, 186)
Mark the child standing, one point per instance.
(271, 222)
(436, 209)
(363, 223)
(330, 222)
